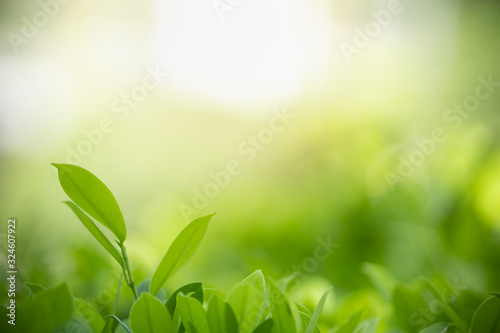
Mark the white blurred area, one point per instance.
(262, 54)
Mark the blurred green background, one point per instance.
(329, 172)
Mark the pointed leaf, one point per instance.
(248, 301)
(181, 250)
(317, 312)
(92, 196)
(96, 232)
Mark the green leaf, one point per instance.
(181, 250)
(84, 312)
(437, 328)
(194, 290)
(96, 232)
(92, 196)
(34, 288)
(407, 300)
(368, 325)
(221, 317)
(317, 312)
(305, 320)
(248, 301)
(487, 317)
(48, 310)
(192, 314)
(380, 277)
(148, 315)
(302, 308)
(452, 315)
(351, 324)
(265, 327)
(284, 321)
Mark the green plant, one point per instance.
(255, 305)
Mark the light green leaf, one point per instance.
(305, 320)
(96, 232)
(302, 308)
(148, 315)
(487, 317)
(92, 196)
(221, 317)
(380, 277)
(351, 324)
(84, 312)
(283, 318)
(437, 328)
(181, 250)
(192, 314)
(368, 325)
(248, 301)
(317, 312)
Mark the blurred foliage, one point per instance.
(323, 177)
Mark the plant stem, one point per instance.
(128, 273)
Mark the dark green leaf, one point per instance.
(487, 317)
(194, 290)
(265, 327)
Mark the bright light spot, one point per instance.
(262, 52)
